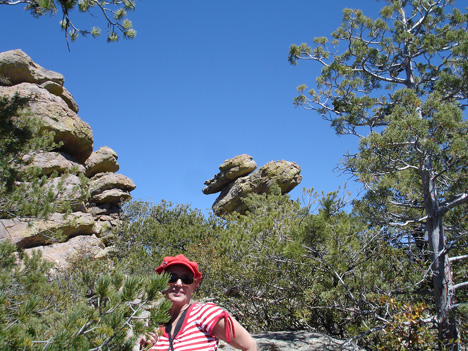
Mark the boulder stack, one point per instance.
(237, 179)
(91, 221)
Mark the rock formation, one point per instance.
(236, 181)
(91, 222)
(299, 340)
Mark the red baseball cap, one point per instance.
(184, 261)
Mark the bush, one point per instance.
(80, 308)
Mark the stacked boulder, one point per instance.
(237, 179)
(80, 170)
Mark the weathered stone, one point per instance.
(69, 100)
(27, 233)
(67, 189)
(49, 162)
(283, 173)
(55, 108)
(56, 116)
(112, 196)
(106, 181)
(60, 253)
(17, 67)
(53, 88)
(231, 169)
(299, 340)
(104, 228)
(102, 160)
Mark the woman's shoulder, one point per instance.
(204, 308)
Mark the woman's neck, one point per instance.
(175, 311)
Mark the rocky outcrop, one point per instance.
(17, 67)
(55, 116)
(230, 170)
(296, 341)
(102, 161)
(75, 174)
(236, 181)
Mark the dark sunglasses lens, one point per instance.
(187, 280)
(173, 278)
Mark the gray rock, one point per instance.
(67, 189)
(102, 160)
(17, 67)
(231, 169)
(27, 233)
(296, 341)
(49, 162)
(232, 199)
(111, 196)
(55, 115)
(106, 181)
(53, 87)
(60, 91)
(68, 98)
(90, 225)
(60, 253)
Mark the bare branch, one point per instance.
(460, 286)
(458, 258)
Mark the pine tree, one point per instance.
(399, 83)
(24, 192)
(114, 13)
(78, 308)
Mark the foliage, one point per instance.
(287, 267)
(399, 83)
(248, 271)
(80, 308)
(24, 192)
(284, 266)
(150, 232)
(408, 329)
(113, 11)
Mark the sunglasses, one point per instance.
(186, 279)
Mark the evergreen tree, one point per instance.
(24, 192)
(114, 12)
(150, 232)
(399, 83)
(79, 308)
(286, 267)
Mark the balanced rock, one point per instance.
(231, 169)
(284, 174)
(102, 160)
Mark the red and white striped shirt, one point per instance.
(196, 333)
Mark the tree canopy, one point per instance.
(114, 13)
(399, 83)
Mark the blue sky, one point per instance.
(202, 82)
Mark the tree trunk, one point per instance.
(443, 284)
(441, 272)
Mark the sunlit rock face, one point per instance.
(237, 179)
(75, 166)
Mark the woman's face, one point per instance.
(178, 292)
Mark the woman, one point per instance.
(193, 326)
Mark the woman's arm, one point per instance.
(243, 340)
